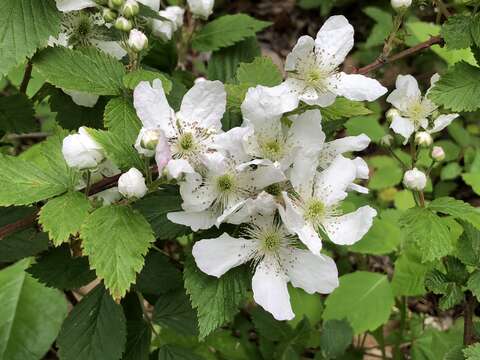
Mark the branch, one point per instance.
(26, 77)
(434, 40)
(468, 312)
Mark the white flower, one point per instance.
(414, 109)
(132, 184)
(312, 67)
(137, 40)
(423, 138)
(174, 21)
(81, 151)
(190, 131)
(415, 180)
(277, 261)
(438, 154)
(73, 5)
(315, 206)
(401, 4)
(201, 8)
(223, 186)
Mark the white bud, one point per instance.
(123, 24)
(81, 151)
(423, 138)
(130, 8)
(137, 40)
(164, 29)
(201, 8)
(109, 15)
(415, 179)
(401, 5)
(132, 184)
(147, 141)
(391, 114)
(386, 140)
(438, 154)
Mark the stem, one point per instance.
(421, 197)
(404, 166)
(146, 317)
(26, 77)
(468, 311)
(381, 339)
(443, 8)
(148, 172)
(89, 180)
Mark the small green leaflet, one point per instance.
(227, 30)
(261, 71)
(121, 119)
(456, 208)
(132, 79)
(115, 239)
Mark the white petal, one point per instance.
(406, 91)
(111, 47)
(340, 146)
(216, 256)
(303, 171)
(82, 98)
(362, 168)
(358, 188)
(442, 122)
(264, 176)
(306, 132)
(231, 143)
(331, 183)
(176, 168)
(264, 205)
(302, 49)
(356, 87)
(195, 220)
(196, 195)
(350, 228)
(204, 105)
(152, 107)
(73, 5)
(402, 126)
(312, 273)
(270, 291)
(334, 40)
(152, 4)
(322, 99)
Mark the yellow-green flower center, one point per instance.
(272, 149)
(314, 211)
(225, 183)
(186, 141)
(271, 241)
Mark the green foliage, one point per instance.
(173, 310)
(94, 329)
(262, 71)
(158, 276)
(456, 208)
(30, 314)
(216, 300)
(132, 79)
(16, 114)
(344, 108)
(381, 29)
(115, 239)
(121, 119)
(456, 32)
(374, 242)
(90, 70)
(409, 276)
(63, 216)
(25, 26)
(365, 299)
(472, 352)
(172, 352)
(226, 31)
(139, 333)
(387, 172)
(336, 336)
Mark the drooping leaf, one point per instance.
(30, 314)
(115, 239)
(121, 119)
(226, 31)
(94, 329)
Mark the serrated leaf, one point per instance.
(472, 352)
(456, 208)
(121, 153)
(115, 239)
(121, 119)
(158, 276)
(473, 284)
(365, 299)
(91, 70)
(409, 276)
(475, 30)
(428, 232)
(94, 329)
(174, 310)
(25, 25)
(456, 32)
(16, 114)
(22, 244)
(216, 300)
(132, 79)
(27, 307)
(374, 242)
(468, 250)
(458, 89)
(344, 108)
(268, 327)
(174, 352)
(63, 216)
(226, 31)
(59, 269)
(139, 333)
(262, 71)
(336, 336)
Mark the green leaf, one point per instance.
(262, 71)
(409, 275)
(368, 125)
(381, 29)
(115, 239)
(139, 333)
(456, 32)
(428, 232)
(216, 300)
(365, 299)
(375, 242)
(59, 269)
(158, 276)
(30, 314)
(458, 89)
(475, 29)
(468, 250)
(22, 244)
(450, 171)
(387, 172)
(173, 352)
(226, 31)
(344, 108)
(132, 79)
(94, 329)
(174, 310)
(155, 207)
(472, 352)
(16, 114)
(121, 153)
(472, 179)
(122, 120)
(63, 216)
(456, 208)
(336, 336)
(91, 70)
(25, 25)
(305, 305)
(268, 327)
(473, 284)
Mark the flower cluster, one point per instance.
(275, 176)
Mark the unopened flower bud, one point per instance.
(115, 4)
(392, 113)
(137, 40)
(401, 5)
(415, 180)
(201, 8)
(109, 15)
(150, 139)
(386, 140)
(81, 151)
(132, 184)
(130, 8)
(423, 138)
(123, 24)
(438, 154)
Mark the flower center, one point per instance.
(314, 211)
(186, 141)
(274, 189)
(271, 241)
(80, 29)
(272, 149)
(225, 183)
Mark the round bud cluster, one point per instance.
(119, 11)
(132, 184)
(415, 180)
